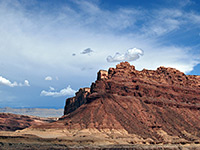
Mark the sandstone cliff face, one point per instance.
(154, 104)
(159, 87)
(75, 102)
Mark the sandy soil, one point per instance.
(87, 139)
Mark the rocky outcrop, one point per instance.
(13, 122)
(158, 106)
(75, 102)
(80, 98)
(164, 86)
(102, 74)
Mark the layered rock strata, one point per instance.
(162, 105)
(166, 83)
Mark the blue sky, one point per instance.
(50, 48)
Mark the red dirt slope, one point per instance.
(13, 122)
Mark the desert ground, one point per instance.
(86, 139)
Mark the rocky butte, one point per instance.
(160, 105)
(126, 106)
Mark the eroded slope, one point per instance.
(161, 105)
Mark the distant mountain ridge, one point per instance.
(40, 112)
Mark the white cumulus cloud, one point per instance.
(26, 83)
(131, 55)
(7, 82)
(48, 78)
(62, 92)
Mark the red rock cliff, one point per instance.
(141, 102)
(160, 87)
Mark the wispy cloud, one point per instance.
(107, 20)
(7, 82)
(63, 92)
(131, 55)
(165, 21)
(51, 88)
(48, 78)
(183, 3)
(169, 20)
(87, 51)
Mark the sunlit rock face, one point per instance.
(141, 102)
(75, 102)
